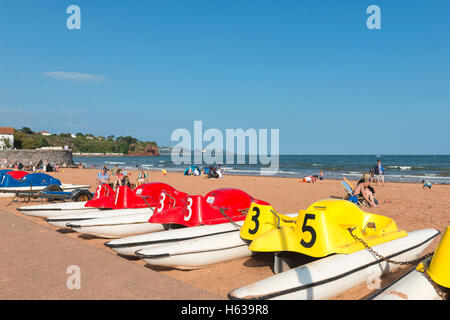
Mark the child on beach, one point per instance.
(426, 184)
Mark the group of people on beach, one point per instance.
(364, 190)
(313, 178)
(40, 166)
(121, 177)
(210, 172)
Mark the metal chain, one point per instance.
(243, 211)
(411, 262)
(444, 294)
(222, 211)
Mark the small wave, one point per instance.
(242, 170)
(114, 162)
(425, 176)
(288, 172)
(404, 168)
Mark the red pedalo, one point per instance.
(217, 206)
(124, 198)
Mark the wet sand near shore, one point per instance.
(410, 206)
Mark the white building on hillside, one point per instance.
(6, 138)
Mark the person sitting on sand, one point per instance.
(309, 179)
(213, 173)
(364, 189)
(320, 175)
(142, 178)
(219, 171)
(126, 181)
(103, 176)
(118, 178)
(426, 184)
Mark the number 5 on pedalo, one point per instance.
(74, 20)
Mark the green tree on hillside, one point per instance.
(27, 130)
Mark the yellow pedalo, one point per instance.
(326, 227)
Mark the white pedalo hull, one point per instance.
(412, 286)
(55, 206)
(129, 245)
(117, 227)
(330, 276)
(198, 252)
(82, 215)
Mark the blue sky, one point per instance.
(311, 69)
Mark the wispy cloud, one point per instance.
(75, 76)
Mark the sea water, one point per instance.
(399, 168)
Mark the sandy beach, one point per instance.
(410, 206)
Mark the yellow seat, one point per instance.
(323, 229)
